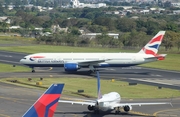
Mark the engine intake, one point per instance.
(71, 67)
(127, 108)
(90, 108)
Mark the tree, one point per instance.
(169, 40)
(126, 25)
(75, 31)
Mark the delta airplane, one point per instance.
(108, 102)
(47, 103)
(75, 61)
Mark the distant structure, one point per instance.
(77, 4)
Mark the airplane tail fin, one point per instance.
(47, 103)
(153, 45)
(98, 86)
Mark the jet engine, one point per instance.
(71, 67)
(90, 108)
(127, 108)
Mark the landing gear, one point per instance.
(117, 110)
(33, 70)
(92, 69)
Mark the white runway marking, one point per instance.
(5, 55)
(160, 81)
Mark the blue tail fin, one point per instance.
(98, 86)
(46, 105)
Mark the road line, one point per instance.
(161, 70)
(9, 61)
(155, 114)
(152, 81)
(4, 115)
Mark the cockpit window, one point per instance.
(24, 58)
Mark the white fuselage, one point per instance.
(110, 59)
(107, 102)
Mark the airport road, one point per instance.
(156, 77)
(15, 100)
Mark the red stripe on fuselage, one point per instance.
(41, 104)
(158, 38)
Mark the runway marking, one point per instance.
(2, 115)
(152, 81)
(155, 75)
(165, 115)
(161, 70)
(6, 56)
(68, 114)
(139, 113)
(21, 89)
(155, 114)
(9, 61)
(14, 99)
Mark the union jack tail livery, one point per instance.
(46, 105)
(153, 45)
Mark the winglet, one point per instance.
(98, 86)
(153, 45)
(46, 105)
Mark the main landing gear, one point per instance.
(117, 110)
(33, 70)
(92, 69)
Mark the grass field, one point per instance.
(90, 89)
(11, 68)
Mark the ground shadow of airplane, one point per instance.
(88, 73)
(101, 114)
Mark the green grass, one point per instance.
(89, 86)
(15, 38)
(10, 68)
(171, 62)
(49, 48)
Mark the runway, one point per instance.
(13, 103)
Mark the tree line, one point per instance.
(132, 32)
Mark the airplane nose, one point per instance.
(22, 61)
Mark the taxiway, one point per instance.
(13, 103)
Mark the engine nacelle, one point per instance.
(90, 108)
(127, 108)
(71, 67)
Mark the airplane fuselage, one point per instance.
(107, 102)
(110, 59)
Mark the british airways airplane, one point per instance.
(75, 61)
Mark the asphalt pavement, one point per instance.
(15, 100)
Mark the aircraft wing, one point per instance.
(139, 104)
(92, 103)
(92, 62)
